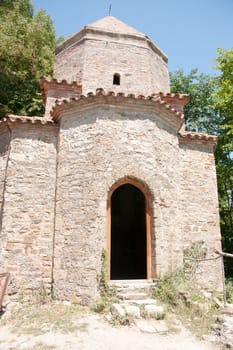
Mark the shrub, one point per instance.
(229, 290)
(168, 287)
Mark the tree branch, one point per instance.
(224, 254)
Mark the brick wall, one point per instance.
(93, 60)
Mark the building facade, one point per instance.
(109, 168)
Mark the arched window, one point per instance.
(116, 79)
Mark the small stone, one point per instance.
(228, 309)
(142, 302)
(117, 310)
(216, 327)
(108, 317)
(132, 311)
(154, 311)
(218, 302)
(206, 295)
(160, 327)
(145, 327)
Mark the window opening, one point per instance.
(116, 79)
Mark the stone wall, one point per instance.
(4, 154)
(54, 212)
(28, 212)
(199, 205)
(54, 206)
(56, 176)
(97, 148)
(69, 64)
(136, 63)
(93, 61)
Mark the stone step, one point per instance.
(134, 292)
(136, 311)
(132, 295)
(140, 302)
(135, 300)
(132, 283)
(133, 286)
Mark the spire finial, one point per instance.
(110, 9)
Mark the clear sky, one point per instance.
(188, 31)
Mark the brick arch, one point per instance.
(148, 198)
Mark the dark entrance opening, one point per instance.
(128, 233)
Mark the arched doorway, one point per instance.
(129, 233)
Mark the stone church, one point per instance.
(109, 168)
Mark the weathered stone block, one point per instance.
(117, 310)
(154, 311)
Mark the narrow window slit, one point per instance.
(116, 79)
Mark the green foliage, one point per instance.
(169, 284)
(224, 153)
(229, 290)
(172, 285)
(186, 301)
(224, 92)
(107, 293)
(200, 112)
(224, 160)
(105, 290)
(26, 54)
(25, 6)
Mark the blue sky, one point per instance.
(188, 31)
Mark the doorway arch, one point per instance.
(129, 241)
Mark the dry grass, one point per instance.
(38, 346)
(186, 302)
(37, 319)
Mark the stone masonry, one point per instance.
(109, 46)
(57, 172)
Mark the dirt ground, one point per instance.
(45, 330)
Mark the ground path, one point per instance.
(94, 333)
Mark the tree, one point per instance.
(224, 153)
(224, 93)
(200, 112)
(25, 6)
(224, 162)
(27, 43)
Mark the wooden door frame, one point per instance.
(145, 191)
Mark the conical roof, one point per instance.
(112, 24)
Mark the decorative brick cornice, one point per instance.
(11, 119)
(177, 101)
(196, 137)
(59, 88)
(110, 97)
(172, 95)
